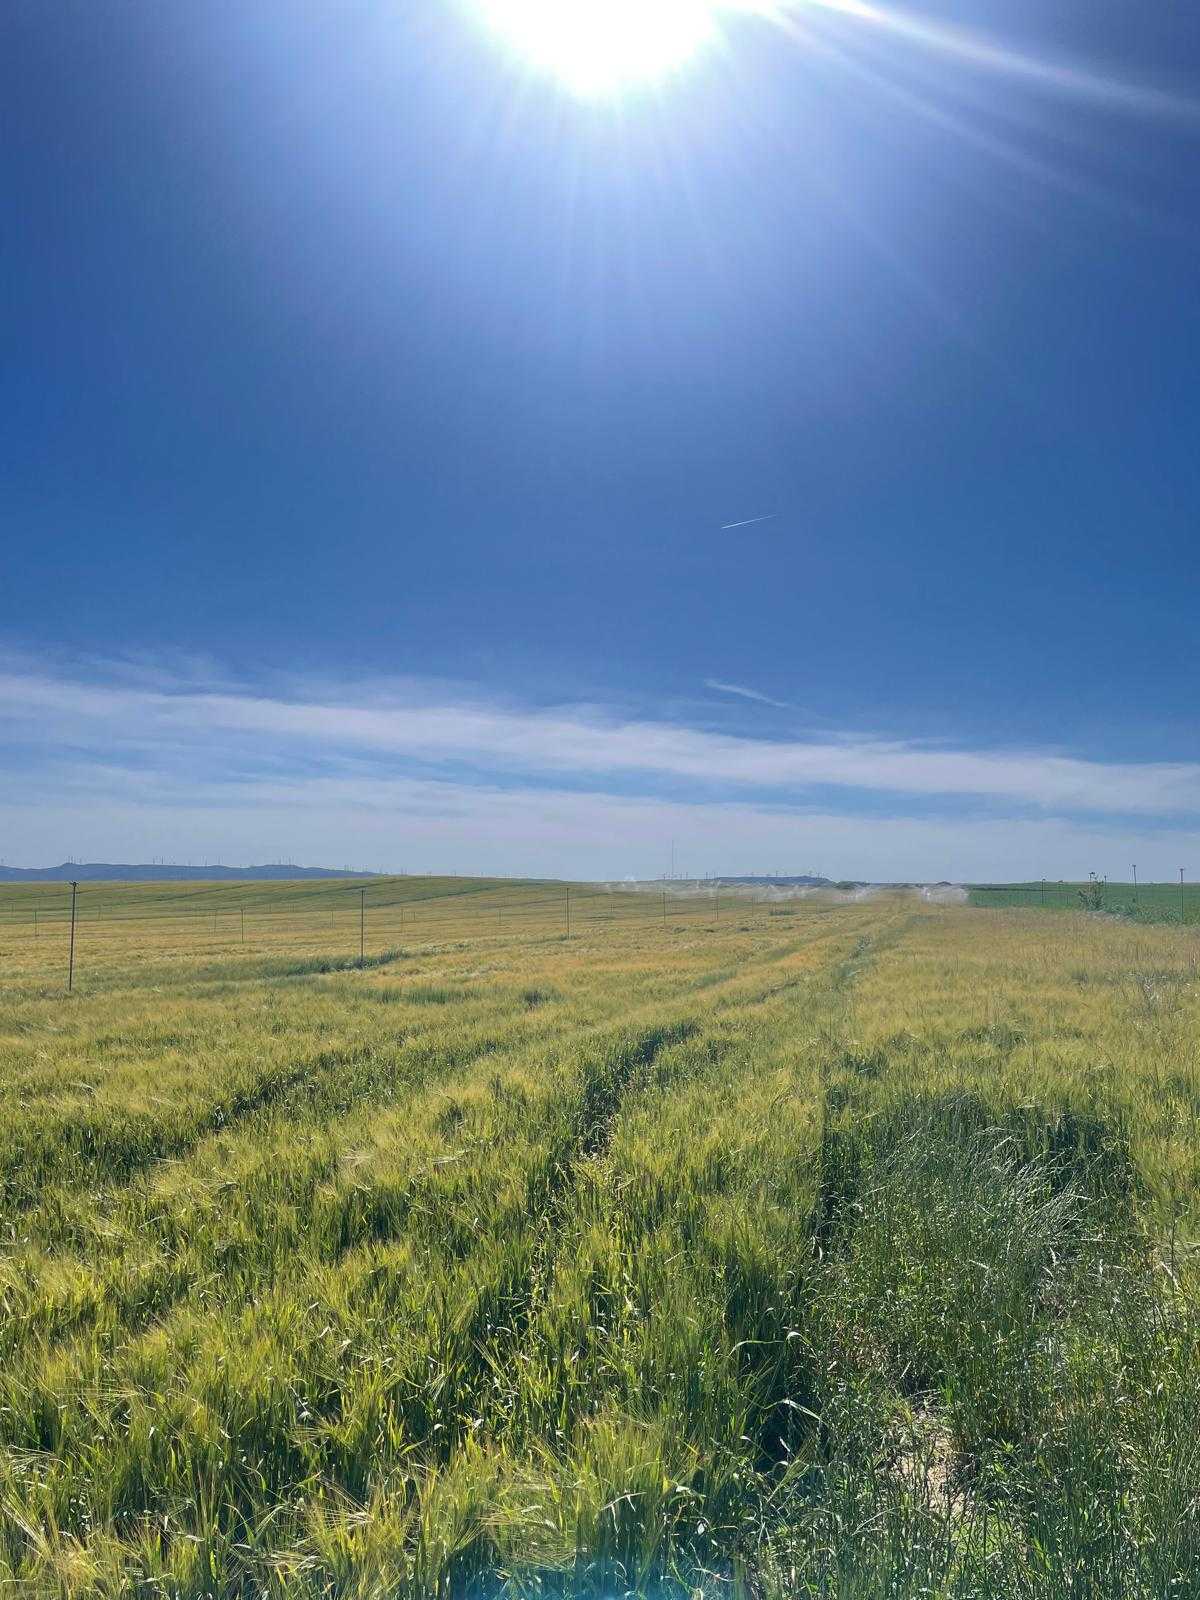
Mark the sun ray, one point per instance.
(975, 49)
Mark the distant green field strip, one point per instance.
(1142, 902)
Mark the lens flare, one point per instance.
(599, 48)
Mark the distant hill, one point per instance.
(802, 882)
(123, 872)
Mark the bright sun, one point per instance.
(600, 47)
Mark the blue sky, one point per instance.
(372, 412)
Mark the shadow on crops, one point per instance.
(956, 1137)
(314, 966)
(422, 994)
(956, 1239)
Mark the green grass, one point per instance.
(851, 1254)
(1143, 902)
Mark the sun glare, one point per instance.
(599, 48)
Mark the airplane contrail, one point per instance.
(747, 521)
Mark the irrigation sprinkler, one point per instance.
(71, 958)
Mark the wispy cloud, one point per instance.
(436, 825)
(746, 694)
(105, 758)
(565, 741)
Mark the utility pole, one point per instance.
(71, 960)
(1181, 896)
(242, 909)
(664, 908)
(568, 911)
(1135, 887)
(362, 927)
(1043, 891)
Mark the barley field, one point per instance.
(410, 1246)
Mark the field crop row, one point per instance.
(844, 1253)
